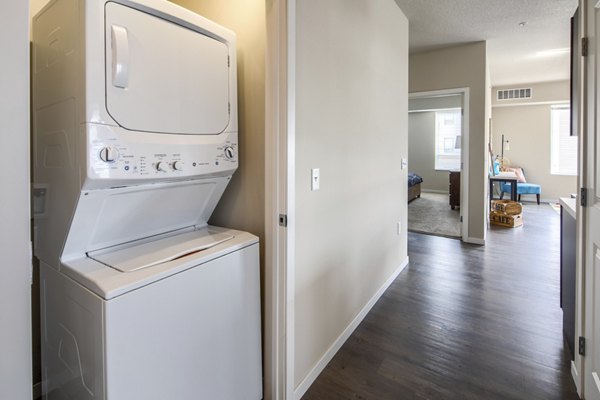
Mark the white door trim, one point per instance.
(577, 372)
(15, 242)
(464, 175)
(279, 200)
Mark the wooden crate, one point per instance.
(507, 207)
(509, 221)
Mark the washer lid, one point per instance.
(136, 257)
(164, 77)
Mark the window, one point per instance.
(564, 146)
(447, 139)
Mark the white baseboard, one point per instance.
(576, 378)
(337, 344)
(434, 191)
(473, 240)
(37, 391)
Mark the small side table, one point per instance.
(504, 179)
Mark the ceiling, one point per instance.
(535, 52)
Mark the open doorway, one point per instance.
(437, 183)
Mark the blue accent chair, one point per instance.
(523, 188)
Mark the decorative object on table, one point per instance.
(505, 146)
(506, 213)
(523, 187)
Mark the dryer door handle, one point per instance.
(120, 56)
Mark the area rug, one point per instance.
(431, 213)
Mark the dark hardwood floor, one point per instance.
(463, 322)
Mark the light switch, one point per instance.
(315, 179)
(404, 163)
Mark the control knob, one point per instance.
(229, 152)
(162, 166)
(177, 165)
(108, 154)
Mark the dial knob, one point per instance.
(177, 165)
(228, 152)
(162, 166)
(108, 154)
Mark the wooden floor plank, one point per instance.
(463, 322)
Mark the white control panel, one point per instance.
(114, 157)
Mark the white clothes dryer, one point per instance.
(135, 140)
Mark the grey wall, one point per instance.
(434, 103)
(351, 122)
(456, 67)
(15, 289)
(421, 148)
(421, 139)
(526, 124)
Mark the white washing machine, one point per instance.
(135, 140)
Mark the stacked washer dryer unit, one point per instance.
(135, 121)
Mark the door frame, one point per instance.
(464, 170)
(15, 241)
(279, 200)
(577, 365)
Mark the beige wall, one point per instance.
(351, 122)
(421, 147)
(527, 127)
(456, 67)
(15, 301)
(242, 205)
(36, 5)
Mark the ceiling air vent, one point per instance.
(512, 94)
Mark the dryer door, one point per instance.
(163, 77)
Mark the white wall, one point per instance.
(351, 122)
(15, 302)
(458, 67)
(526, 124)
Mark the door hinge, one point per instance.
(228, 61)
(581, 346)
(228, 108)
(584, 47)
(283, 220)
(583, 195)
(461, 218)
(30, 263)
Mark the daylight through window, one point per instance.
(564, 146)
(447, 140)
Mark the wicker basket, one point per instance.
(507, 207)
(509, 221)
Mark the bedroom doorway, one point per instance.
(438, 177)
